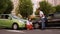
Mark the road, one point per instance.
(35, 31)
(49, 30)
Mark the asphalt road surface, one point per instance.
(49, 30)
(35, 31)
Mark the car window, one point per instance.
(4, 16)
(16, 17)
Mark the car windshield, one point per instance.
(16, 17)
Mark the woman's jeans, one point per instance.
(42, 23)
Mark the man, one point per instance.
(42, 18)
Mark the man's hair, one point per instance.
(38, 8)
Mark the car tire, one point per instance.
(15, 26)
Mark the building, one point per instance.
(54, 2)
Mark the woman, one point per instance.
(29, 25)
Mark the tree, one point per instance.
(26, 8)
(57, 8)
(5, 6)
(46, 7)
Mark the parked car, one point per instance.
(10, 21)
(54, 17)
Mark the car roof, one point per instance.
(4, 14)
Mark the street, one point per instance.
(35, 31)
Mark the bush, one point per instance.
(36, 13)
(57, 8)
(26, 8)
(53, 10)
(5, 6)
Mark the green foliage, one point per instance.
(25, 8)
(53, 10)
(5, 6)
(57, 8)
(46, 7)
(36, 13)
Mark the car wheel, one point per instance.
(15, 26)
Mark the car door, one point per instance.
(1, 20)
(5, 21)
(8, 21)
